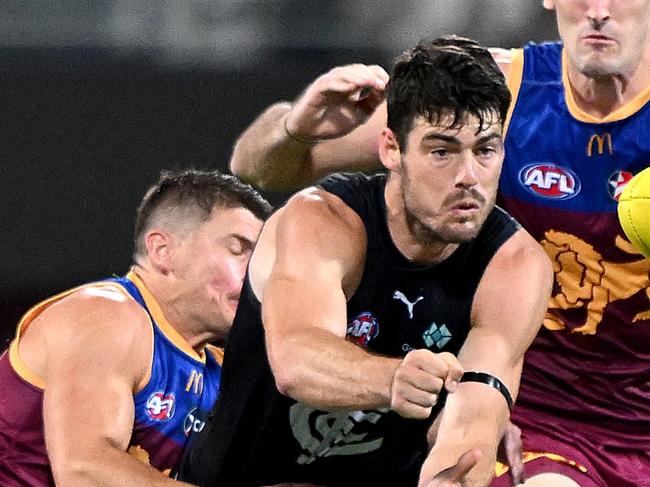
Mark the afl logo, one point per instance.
(363, 328)
(617, 182)
(550, 181)
(161, 406)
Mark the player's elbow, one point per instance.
(69, 468)
(241, 165)
(267, 169)
(286, 370)
(286, 376)
(84, 462)
(287, 384)
(251, 166)
(246, 169)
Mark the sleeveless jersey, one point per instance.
(563, 173)
(257, 436)
(174, 402)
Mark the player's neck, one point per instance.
(600, 97)
(176, 308)
(171, 302)
(411, 239)
(417, 246)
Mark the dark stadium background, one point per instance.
(96, 97)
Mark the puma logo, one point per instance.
(399, 295)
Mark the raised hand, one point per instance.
(418, 380)
(337, 102)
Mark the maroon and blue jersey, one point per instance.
(170, 405)
(563, 173)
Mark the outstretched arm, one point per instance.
(334, 125)
(508, 309)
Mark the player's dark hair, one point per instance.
(446, 75)
(199, 192)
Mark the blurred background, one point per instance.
(97, 96)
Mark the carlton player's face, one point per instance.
(450, 176)
(212, 264)
(603, 37)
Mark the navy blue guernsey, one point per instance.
(256, 436)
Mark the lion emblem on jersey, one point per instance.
(585, 277)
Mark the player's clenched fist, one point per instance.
(337, 102)
(418, 380)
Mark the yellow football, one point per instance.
(634, 211)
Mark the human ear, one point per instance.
(389, 151)
(159, 249)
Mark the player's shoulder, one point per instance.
(501, 55)
(503, 58)
(522, 251)
(320, 227)
(95, 326)
(104, 298)
(511, 61)
(100, 309)
(315, 206)
(507, 55)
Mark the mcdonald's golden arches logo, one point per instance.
(600, 140)
(195, 382)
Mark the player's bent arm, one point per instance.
(320, 247)
(334, 125)
(318, 256)
(267, 157)
(506, 314)
(96, 359)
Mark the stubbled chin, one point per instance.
(466, 230)
(599, 63)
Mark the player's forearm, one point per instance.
(266, 156)
(109, 467)
(328, 372)
(469, 421)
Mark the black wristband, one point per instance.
(491, 381)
